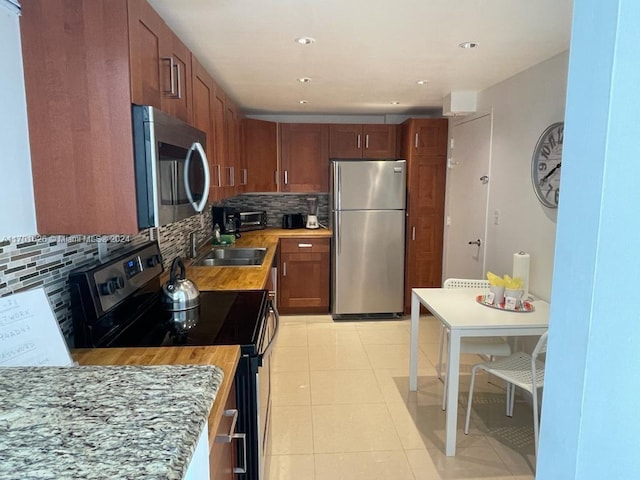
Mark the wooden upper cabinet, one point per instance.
(425, 136)
(363, 141)
(304, 157)
(145, 32)
(345, 141)
(237, 174)
(219, 179)
(260, 151)
(77, 82)
(203, 109)
(160, 63)
(176, 58)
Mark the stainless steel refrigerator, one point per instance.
(367, 201)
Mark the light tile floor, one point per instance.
(342, 408)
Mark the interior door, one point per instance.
(467, 195)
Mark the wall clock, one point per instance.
(546, 163)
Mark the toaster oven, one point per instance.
(253, 220)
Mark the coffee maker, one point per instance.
(312, 216)
(228, 219)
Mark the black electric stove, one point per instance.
(222, 318)
(117, 303)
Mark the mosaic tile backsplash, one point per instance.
(277, 204)
(45, 261)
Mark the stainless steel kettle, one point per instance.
(179, 293)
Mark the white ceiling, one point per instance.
(368, 53)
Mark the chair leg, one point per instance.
(536, 419)
(440, 350)
(470, 401)
(511, 398)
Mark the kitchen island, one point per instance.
(248, 278)
(99, 422)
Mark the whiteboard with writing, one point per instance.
(29, 332)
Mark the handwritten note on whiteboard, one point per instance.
(29, 332)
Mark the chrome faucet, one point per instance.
(193, 244)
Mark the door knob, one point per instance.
(477, 242)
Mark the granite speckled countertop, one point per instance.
(103, 422)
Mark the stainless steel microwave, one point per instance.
(172, 172)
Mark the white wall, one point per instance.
(523, 106)
(17, 215)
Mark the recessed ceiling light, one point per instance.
(422, 82)
(468, 44)
(305, 40)
(395, 103)
(304, 79)
(302, 102)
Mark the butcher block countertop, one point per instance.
(248, 278)
(99, 422)
(224, 357)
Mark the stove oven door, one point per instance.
(263, 379)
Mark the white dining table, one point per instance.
(459, 310)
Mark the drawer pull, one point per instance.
(228, 437)
(305, 245)
(233, 435)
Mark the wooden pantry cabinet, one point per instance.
(426, 178)
(304, 157)
(303, 275)
(363, 141)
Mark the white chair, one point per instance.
(518, 370)
(490, 346)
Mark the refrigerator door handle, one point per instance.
(337, 233)
(339, 199)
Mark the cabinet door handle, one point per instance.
(233, 435)
(226, 438)
(172, 77)
(219, 173)
(305, 245)
(358, 142)
(413, 233)
(286, 177)
(284, 269)
(245, 176)
(366, 141)
(276, 177)
(178, 81)
(232, 176)
(416, 140)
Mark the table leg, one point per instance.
(413, 351)
(453, 380)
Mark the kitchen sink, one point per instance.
(232, 257)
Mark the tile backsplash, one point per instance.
(277, 204)
(35, 261)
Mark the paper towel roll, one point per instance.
(521, 269)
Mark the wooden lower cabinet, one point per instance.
(303, 275)
(222, 454)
